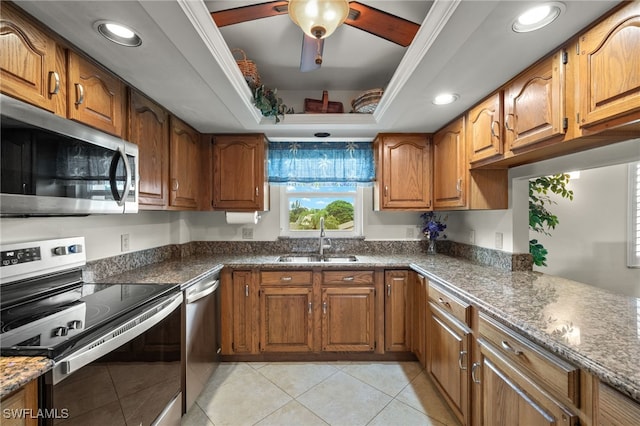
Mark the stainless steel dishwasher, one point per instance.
(202, 334)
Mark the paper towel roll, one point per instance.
(242, 218)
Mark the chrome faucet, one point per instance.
(322, 238)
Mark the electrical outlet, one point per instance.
(499, 240)
(409, 232)
(472, 237)
(247, 233)
(124, 242)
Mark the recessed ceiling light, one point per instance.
(537, 17)
(445, 98)
(118, 33)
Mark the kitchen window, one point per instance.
(321, 180)
(633, 258)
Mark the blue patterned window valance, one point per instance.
(325, 162)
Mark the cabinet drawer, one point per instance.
(347, 277)
(553, 373)
(450, 303)
(285, 277)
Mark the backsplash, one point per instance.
(102, 268)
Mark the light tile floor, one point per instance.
(320, 393)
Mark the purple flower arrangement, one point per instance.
(432, 225)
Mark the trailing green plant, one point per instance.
(268, 103)
(540, 218)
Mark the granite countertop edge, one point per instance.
(17, 371)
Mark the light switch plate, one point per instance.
(124, 242)
(247, 233)
(499, 240)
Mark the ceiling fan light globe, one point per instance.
(311, 14)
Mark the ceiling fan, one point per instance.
(355, 14)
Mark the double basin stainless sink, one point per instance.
(311, 258)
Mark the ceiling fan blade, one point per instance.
(237, 15)
(382, 24)
(311, 48)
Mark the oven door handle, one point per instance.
(116, 338)
(208, 288)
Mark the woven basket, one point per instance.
(367, 101)
(248, 68)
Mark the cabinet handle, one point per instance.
(389, 290)
(285, 278)
(79, 94)
(246, 290)
(386, 191)
(506, 122)
(444, 302)
(310, 308)
(174, 184)
(461, 355)
(474, 367)
(257, 191)
(56, 83)
(347, 278)
(493, 133)
(324, 308)
(510, 348)
(459, 185)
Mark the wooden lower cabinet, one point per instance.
(23, 401)
(286, 315)
(396, 314)
(418, 327)
(448, 360)
(239, 311)
(348, 319)
(509, 397)
(615, 409)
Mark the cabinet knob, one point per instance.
(474, 368)
(79, 94)
(54, 83)
(174, 184)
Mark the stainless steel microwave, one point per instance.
(52, 166)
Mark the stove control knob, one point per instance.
(75, 248)
(59, 251)
(74, 325)
(59, 332)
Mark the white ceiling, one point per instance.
(185, 63)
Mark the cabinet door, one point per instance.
(96, 97)
(286, 319)
(484, 129)
(149, 129)
(396, 317)
(348, 322)
(511, 398)
(239, 172)
(28, 69)
(448, 361)
(450, 168)
(24, 401)
(243, 313)
(184, 173)
(535, 104)
(609, 67)
(404, 172)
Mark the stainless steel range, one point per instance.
(116, 347)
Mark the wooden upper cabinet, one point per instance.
(239, 173)
(28, 67)
(484, 129)
(534, 108)
(96, 97)
(609, 68)
(149, 129)
(184, 172)
(403, 171)
(450, 168)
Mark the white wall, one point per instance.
(590, 242)
(101, 232)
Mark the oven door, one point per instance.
(130, 374)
